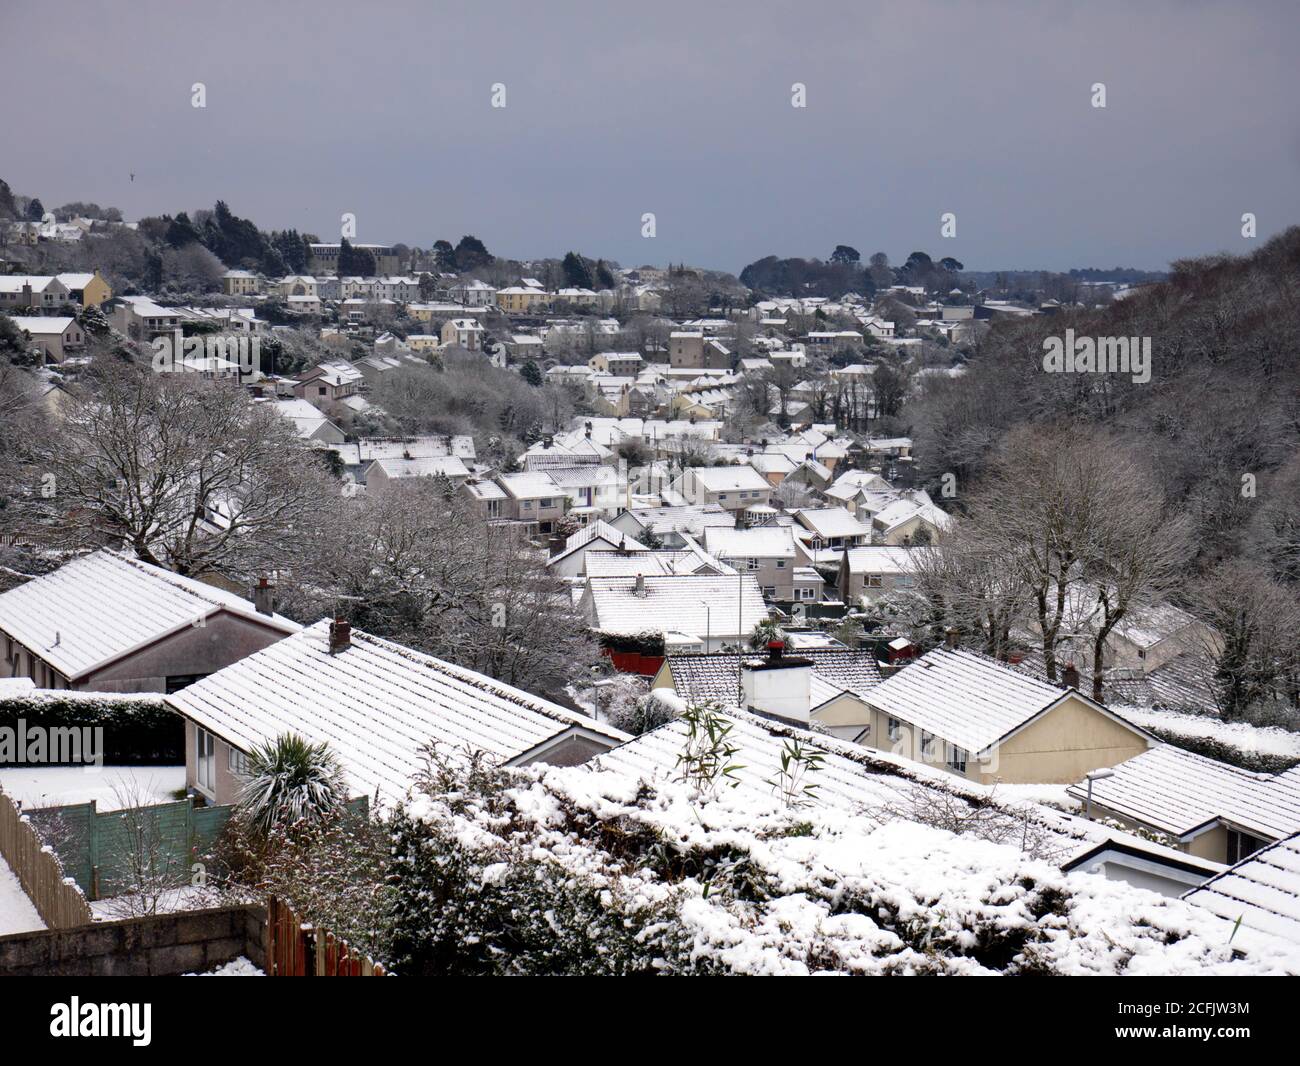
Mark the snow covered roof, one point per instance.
(647, 562)
(377, 704)
(1263, 891)
(96, 609)
(594, 533)
(690, 519)
(831, 522)
(878, 559)
(761, 542)
(445, 466)
(713, 677)
(698, 604)
(1181, 793)
(729, 478)
(529, 485)
(969, 699)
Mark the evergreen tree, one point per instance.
(531, 373)
(577, 275)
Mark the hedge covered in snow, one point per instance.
(568, 870)
(139, 729)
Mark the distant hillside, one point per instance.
(1220, 415)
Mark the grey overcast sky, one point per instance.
(683, 109)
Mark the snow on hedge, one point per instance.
(731, 882)
(1244, 737)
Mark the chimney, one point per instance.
(264, 597)
(640, 585)
(950, 638)
(779, 686)
(557, 543)
(588, 430)
(1070, 675)
(340, 636)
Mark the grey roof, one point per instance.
(713, 677)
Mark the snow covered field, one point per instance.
(57, 786)
(17, 914)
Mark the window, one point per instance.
(752, 564)
(1241, 845)
(205, 746)
(927, 745)
(769, 591)
(873, 581)
(895, 729)
(780, 564)
(238, 762)
(956, 758)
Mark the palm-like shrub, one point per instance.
(291, 781)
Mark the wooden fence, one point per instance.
(56, 896)
(296, 949)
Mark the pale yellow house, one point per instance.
(522, 299)
(1201, 806)
(987, 722)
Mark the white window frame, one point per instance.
(894, 729)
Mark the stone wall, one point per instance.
(158, 946)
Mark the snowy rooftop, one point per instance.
(966, 698)
(647, 562)
(759, 542)
(829, 522)
(1263, 890)
(694, 604)
(1179, 792)
(101, 607)
(697, 678)
(729, 478)
(445, 466)
(377, 704)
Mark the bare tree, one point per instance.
(189, 474)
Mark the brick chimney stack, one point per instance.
(1070, 675)
(264, 597)
(950, 638)
(340, 636)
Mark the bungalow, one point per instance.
(1206, 808)
(378, 705)
(111, 623)
(986, 721)
(668, 525)
(598, 536)
(55, 337)
(714, 610)
(328, 383)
